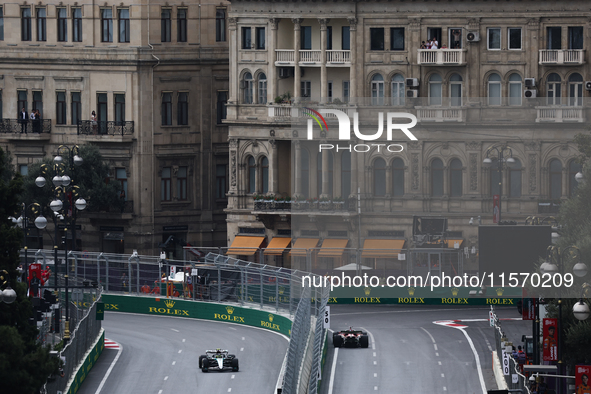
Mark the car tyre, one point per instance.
(231, 356)
(205, 365)
(235, 365)
(201, 358)
(364, 341)
(337, 340)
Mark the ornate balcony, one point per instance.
(338, 57)
(28, 126)
(441, 57)
(441, 114)
(563, 57)
(560, 114)
(86, 127)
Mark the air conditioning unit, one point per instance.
(530, 82)
(412, 93)
(285, 72)
(530, 93)
(473, 36)
(588, 85)
(412, 82)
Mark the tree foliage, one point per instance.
(92, 179)
(575, 218)
(24, 364)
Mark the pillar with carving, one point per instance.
(272, 70)
(353, 44)
(323, 76)
(297, 24)
(233, 56)
(273, 168)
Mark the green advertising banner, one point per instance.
(87, 364)
(198, 310)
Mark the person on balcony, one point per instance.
(23, 120)
(434, 43)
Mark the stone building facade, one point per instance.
(156, 73)
(504, 75)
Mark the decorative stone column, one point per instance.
(272, 81)
(352, 71)
(233, 44)
(297, 24)
(273, 168)
(325, 177)
(323, 76)
(297, 169)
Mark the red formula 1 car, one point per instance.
(350, 338)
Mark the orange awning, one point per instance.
(382, 248)
(301, 245)
(245, 246)
(333, 247)
(277, 246)
(452, 242)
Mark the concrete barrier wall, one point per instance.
(198, 310)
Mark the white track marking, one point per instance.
(333, 369)
(435, 346)
(428, 333)
(375, 363)
(232, 377)
(175, 330)
(437, 354)
(230, 390)
(166, 378)
(180, 351)
(374, 354)
(375, 375)
(159, 391)
(442, 375)
(241, 349)
(174, 362)
(243, 338)
(476, 357)
(373, 342)
(444, 388)
(184, 340)
(439, 362)
(100, 387)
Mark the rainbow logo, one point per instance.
(316, 118)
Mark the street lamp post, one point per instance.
(504, 155)
(23, 221)
(555, 264)
(63, 193)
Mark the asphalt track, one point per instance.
(159, 355)
(410, 354)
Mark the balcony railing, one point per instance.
(284, 55)
(315, 205)
(560, 114)
(442, 57)
(310, 56)
(338, 56)
(88, 127)
(40, 126)
(562, 56)
(435, 114)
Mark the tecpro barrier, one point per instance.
(198, 310)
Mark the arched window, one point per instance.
(575, 90)
(252, 173)
(379, 177)
(262, 89)
(345, 174)
(319, 168)
(398, 177)
(437, 178)
(573, 169)
(247, 85)
(514, 188)
(555, 179)
(265, 174)
(455, 90)
(398, 90)
(305, 170)
(515, 91)
(455, 178)
(435, 83)
(553, 89)
(377, 90)
(494, 89)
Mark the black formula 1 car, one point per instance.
(350, 338)
(218, 360)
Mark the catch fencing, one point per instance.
(212, 278)
(509, 365)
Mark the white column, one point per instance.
(325, 169)
(297, 23)
(272, 70)
(352, 73)
(323, 75)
